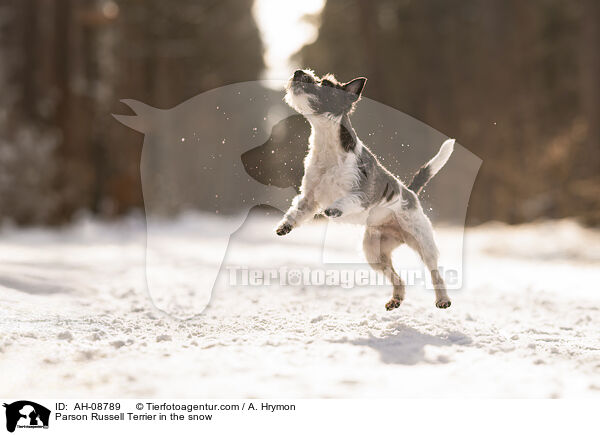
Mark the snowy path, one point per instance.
(75, 319)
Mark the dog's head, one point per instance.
(310, 95)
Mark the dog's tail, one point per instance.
(429, 169)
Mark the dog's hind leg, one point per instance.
(378, 247)
(421, 240)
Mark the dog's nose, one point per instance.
(301, 76)
(298, 74)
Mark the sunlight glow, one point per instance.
(284, 31)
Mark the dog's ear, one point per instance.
(355, 86)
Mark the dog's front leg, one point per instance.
(303, 208)
(348, 204)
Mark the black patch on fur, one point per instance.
(385, 190)
(362, 169)
(330, 99)
(391, 195)
(390, 191)
(347, 140)
(409, 197)
(362, 164)
(420, 179)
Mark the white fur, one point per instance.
(330, 172)
(440, 159)
(299, 102)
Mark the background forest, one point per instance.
(515, 82)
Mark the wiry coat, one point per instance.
(345, 181)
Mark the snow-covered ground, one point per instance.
(76, 320)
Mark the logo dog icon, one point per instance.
(26, 414)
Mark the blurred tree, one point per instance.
(64, 66)
(587, 187)
(515, 82)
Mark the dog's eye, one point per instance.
(327, 83)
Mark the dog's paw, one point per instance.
(393, 303)
(283, 229)
(333, 212)
(443, 303)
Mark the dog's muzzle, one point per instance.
(302, 77)
(300, 80)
